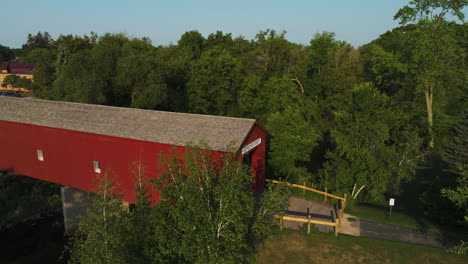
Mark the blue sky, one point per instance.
(357, 22)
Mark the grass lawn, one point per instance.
(296, 247)
(380, 213)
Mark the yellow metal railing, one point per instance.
(309, 221)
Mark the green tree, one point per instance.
(294, 135)
(291, 118)
(207, 212)
(337, 80)
(40, 40)
(432, 46)
(274, 201)
(39, 55)
(44, 77)
(372, 150)
(79, 81)
(140, 82)
(101, 235)
(385, 68)
(6, 54)
(141, 243)
(67, 45)
(258, 98)
(17, 81)
(213, 84)
(456, 156)
(193, 42)
(219, 39)
(271, 56)
(323, 47)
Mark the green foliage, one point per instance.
(6, 54)
(456, 156)
(274, 201)
(102, 234)
(39, 55)
(67, 45)
(213, 84)
(206, 211)
(293, 138)
(366, 154)
(79, 81)
(434, 10)
(23, 198)
(44, 77)
(193, 42)
(272, 55)
(336, 68)
(140, 242)
(17, 81)
(385, 68)
(40, 40)
(433, 49)
(140, 82)
(323, 47)
(259, 98)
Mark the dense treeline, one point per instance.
(340, 116)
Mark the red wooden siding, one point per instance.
(69, 156)
(258, 157)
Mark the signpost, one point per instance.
(391, 202)
(252, 145)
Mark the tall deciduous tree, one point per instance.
(433, 47)
(193, 42)
(368, 152)
(294, 136)
(206, 208)
(272, 55)
(214, 82)
(101, 235)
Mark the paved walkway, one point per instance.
(299, 207)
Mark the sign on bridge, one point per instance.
(252, 145)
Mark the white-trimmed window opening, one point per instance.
(97, 167)
(40, 155)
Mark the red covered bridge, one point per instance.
(68, 143)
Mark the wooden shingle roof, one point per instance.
(148, 125)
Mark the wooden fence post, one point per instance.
(336, 227)
(325, 196)
(303, 189)
(308, 224)
(281, 223)
(345, 199)
(340, 216)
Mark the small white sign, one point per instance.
(391, 202)
(252, 145)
